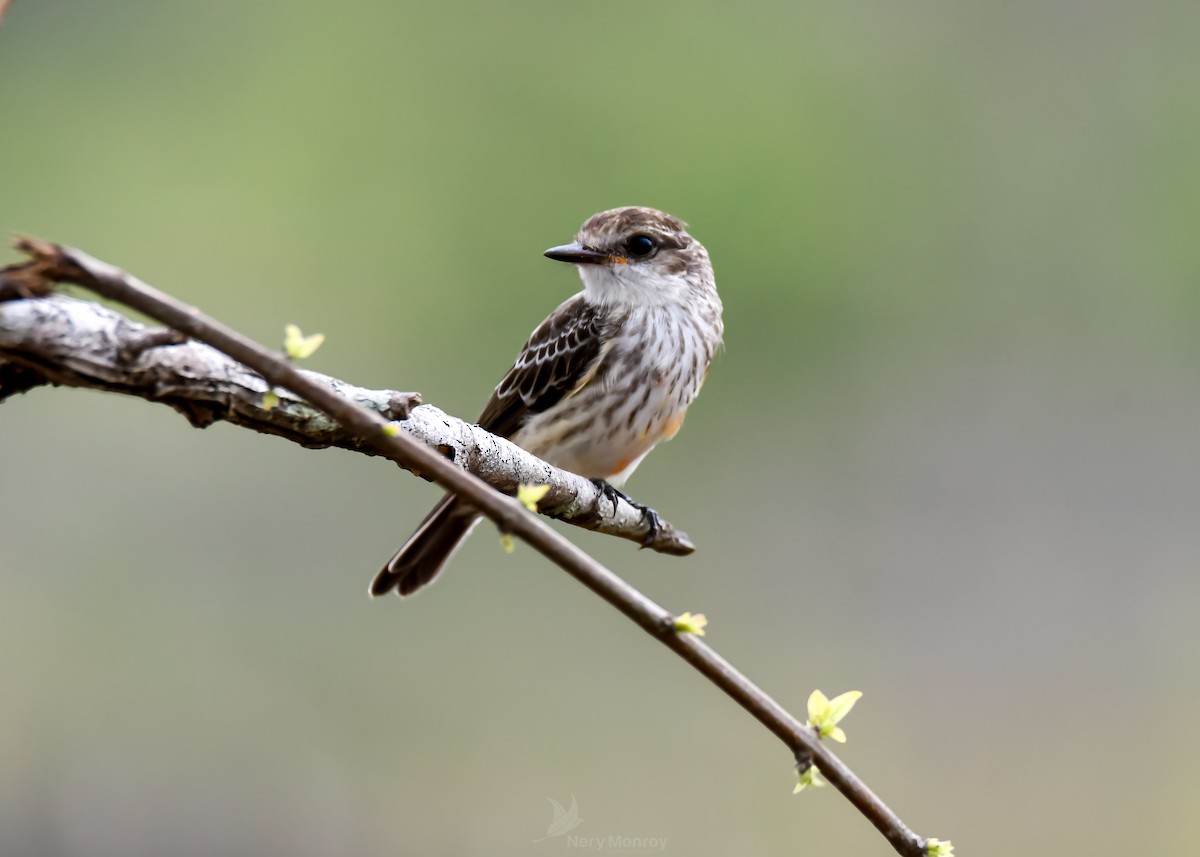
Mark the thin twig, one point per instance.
(67, 265)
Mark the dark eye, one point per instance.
(640, 246)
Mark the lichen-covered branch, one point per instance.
(58, 340)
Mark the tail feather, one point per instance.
(427, 550)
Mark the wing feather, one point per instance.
(559, 355)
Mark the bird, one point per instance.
(607, 376)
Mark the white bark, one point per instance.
(59, 340)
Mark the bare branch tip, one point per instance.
(33, 278)
(36, 248)
(673, 542)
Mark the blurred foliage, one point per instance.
(954, 429)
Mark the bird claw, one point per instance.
(654, 523)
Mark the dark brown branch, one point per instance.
(67, 265)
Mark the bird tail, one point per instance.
(427, 550)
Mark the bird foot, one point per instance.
(653, 522)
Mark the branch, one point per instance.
(66, 265)
(62, 341)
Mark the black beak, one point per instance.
(578, 254)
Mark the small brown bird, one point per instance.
(607, 376)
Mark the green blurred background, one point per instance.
(949, 456)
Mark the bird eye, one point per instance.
(641, 246)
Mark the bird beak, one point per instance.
(578, 254)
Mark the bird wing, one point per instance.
(559, 357)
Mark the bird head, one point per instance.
(636, 255)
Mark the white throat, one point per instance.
(633, 285)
